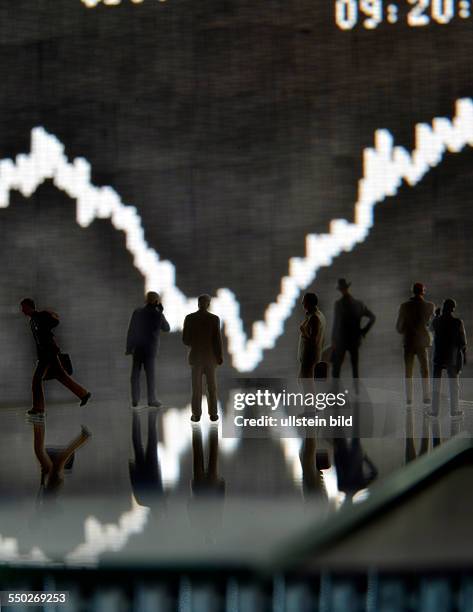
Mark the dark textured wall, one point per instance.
(235, 128)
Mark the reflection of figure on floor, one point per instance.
(145, 473)
(206, 481)
(413, 323)
(347, 332)
(355, 470)
(449, 355)
(143, 343)
(311, 340)
(312, 462)
(410, 451)
(42, 324)
(201, 333)
(207, 487)
(54, 461)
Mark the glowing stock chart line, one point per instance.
(385, 168)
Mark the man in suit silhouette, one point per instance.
(143, 343)
(449, 354)
(42, 324)
(347, 331)
(202, 334)
(413, 323)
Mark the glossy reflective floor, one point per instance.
(146, 487)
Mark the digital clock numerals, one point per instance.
(441, 11)
(371, 13)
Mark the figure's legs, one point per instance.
(135, 377)
(136, 438)
(307, 370)
(63, 457)
(423, 358)
(197, 454)
(37, 385)
(337, 361)
(436, 387)
(39, 450)
(410, 450)
(355, 359)
(306, 377)
(197, 372)
(453, 380)
(152, 442)
(150, 370)
(211, 378)
(408, 369)
(212, 471)
(63, 377)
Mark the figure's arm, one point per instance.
(130, 338)
(218, 344)
(314, 327)
(434, 319)
(462, 337)
(186, 336)
(165, 327)
(371, 319)
(400, 321)
(54, 319)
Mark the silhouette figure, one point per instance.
(143, 343)
(54, 462)
(449, 354)
(312, 463)
(347, 331)
(202, 334)
(413, 323)
(312, 335)
(42, 324)
(145, 473)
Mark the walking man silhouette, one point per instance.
(347, 331)
(42, 324)
(143, 343)
(202, 334)
(413, 323)
(449, 354)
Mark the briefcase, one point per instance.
(321, 370)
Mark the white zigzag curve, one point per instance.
(385, 168)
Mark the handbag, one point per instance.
(66, 363)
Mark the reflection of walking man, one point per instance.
(449, 354)
(202, 334)
(412, 322)
(347, 331)
(143, 343)
(42, 324)
(54, 464)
